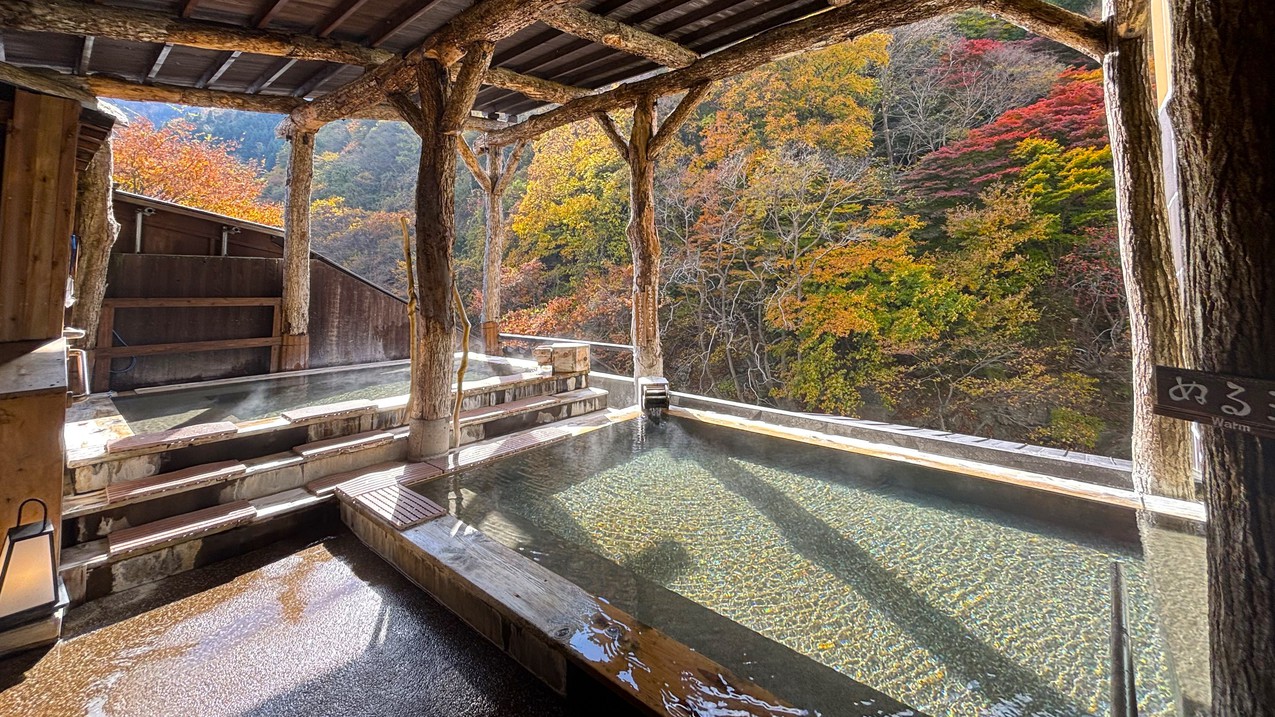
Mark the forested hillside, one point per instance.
(916, 227)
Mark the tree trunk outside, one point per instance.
(644, 244)
(493, 252)
(1161, 446)
(430, 410)
(97, 229)
(1223, 103)
(296, 235)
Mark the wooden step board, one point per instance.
(380, 475)
(136, 491)
(173, 438)
(401, 507)
(343, 444)
(162, 533)
(510, 408)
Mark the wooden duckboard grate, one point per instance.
(401, 507)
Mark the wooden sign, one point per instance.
(1246, 405)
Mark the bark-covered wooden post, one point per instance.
(640, 152)
(295, 352)
(1221, 112)
(1161, 446)
(494, 180)
(439, 119)
(97, 229)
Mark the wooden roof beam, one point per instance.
(115, 88)
(535, 88)
(489, 20)
(405, 17)
(605, 31)
(1058, 24)
(271, 10)
(73, 17)
(836, 25)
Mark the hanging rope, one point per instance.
(464, 362)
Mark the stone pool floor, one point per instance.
(320, 629)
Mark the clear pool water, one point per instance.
(810, 570)
(271, 395)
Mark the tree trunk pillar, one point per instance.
(295, 353)
(644, 244)
(430, 409)
(1161, 446)
(1223, 102)
(493, 253)
(97, 229)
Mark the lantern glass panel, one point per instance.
(28, 575)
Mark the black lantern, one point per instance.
(29, 584)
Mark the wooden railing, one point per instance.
(105, 333)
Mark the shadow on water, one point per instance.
(959, 649)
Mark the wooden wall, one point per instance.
(42, 134)
(351, 320)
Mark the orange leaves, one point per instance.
(174, 163)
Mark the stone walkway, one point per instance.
(324, 629)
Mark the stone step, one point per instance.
(179, 528)
(343, 444)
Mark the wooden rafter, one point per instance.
(486, 20)
(86, 56)
(158, 64)
(316, 80)
(406, 15)
(269, 14)
(339, 16)
(270, 76)
(217, 69)
(189, 7)
(72, 17)
(605, 31)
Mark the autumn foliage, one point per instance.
(175, 163)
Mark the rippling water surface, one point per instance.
(951, 606)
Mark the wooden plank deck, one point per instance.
(331, 410)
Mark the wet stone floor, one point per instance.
(321, 629)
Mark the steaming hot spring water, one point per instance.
(808, 570)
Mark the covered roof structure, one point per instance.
(276, 55)
(502, 65)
